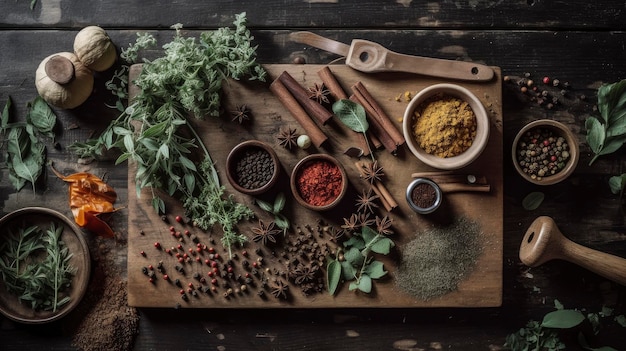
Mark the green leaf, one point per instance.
(616, 183)
(165, 151)
(41, 116)
(621, 320)
(155, 130)
(187, 163)
(333, 276)
(382, 246)
(354, 257)
(558, 305)
(368, 235)
(4, 120)
(279, 202)
(533, 200)
(595, 134)
(351, 114)
(348, 272)
(375, 270)
(365, 284)
(355, 242)
(264, 205)
(562, 319)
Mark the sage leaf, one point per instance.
(616, 183)
(264, 205)
(595, 134)
(41, 116)
(533, 200)
(355, 242)
(351, 114)
(354, 257)
(333, 275)
(4, 119)
(562, 319)
(348, 272)
(375, 270)
(621, 320)
(382, 245)
(279, 202)
(364, 284)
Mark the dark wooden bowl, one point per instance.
(559, 129)
(305, 162)
(235, 155)
(10, 306)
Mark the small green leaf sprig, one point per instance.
(355, 261)
(544, 335)
(275, 209)
(35, 280)
(25, 156)
(353, 115)
(607, 133)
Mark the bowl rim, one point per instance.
(235, 151)
(482, 131)
(82, 285)
(571, 140)
(304, 161)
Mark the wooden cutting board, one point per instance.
(482, 288)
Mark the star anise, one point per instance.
(265, 233)
(241, 114)
(280, 290)
(319, 93)
(352, 223)
(372, 172)
(287, 138)
(304, 273)
(365, 202)
(365, 220)
(335, 234)
(383, 225)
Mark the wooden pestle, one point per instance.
(543, 242)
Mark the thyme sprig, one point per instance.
(185, 81)
(33, 277)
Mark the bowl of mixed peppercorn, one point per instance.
(252, 167)
(545, 152)
(446, 126)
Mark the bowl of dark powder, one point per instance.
(252, 167)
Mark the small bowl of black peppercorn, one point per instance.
(545, 152)
(252, 167)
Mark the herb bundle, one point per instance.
(25, 156)
(185, 81)
(35, 265)
(607, 134)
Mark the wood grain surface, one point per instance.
(482, 288)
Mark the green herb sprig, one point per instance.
(275, 209)
(358, 265)
(25, 156)
(607, 134)
(185, 81)
(544, 335)
(36, 280)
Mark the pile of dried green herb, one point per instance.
(35, 266)
(151, 132)
(437, 260)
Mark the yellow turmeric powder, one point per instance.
(444, 126)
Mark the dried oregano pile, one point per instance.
(437, 260)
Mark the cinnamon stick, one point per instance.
(312, 107)
(376, 128)
(312, 130)
(378, 113)
(331, 83)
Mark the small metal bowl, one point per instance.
(558, 129)
(74, 240)
(413, 201)
(297, 171)
(235, 156)
(482, 127)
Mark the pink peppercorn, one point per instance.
(546, 80)
(157, 245)
(143, 253)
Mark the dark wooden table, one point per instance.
(579, 42)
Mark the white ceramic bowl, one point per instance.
(482, 130)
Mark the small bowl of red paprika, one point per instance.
(318, 182)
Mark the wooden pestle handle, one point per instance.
(544, 241)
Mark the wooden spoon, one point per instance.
(543, 242)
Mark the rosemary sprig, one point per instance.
(34, 278)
